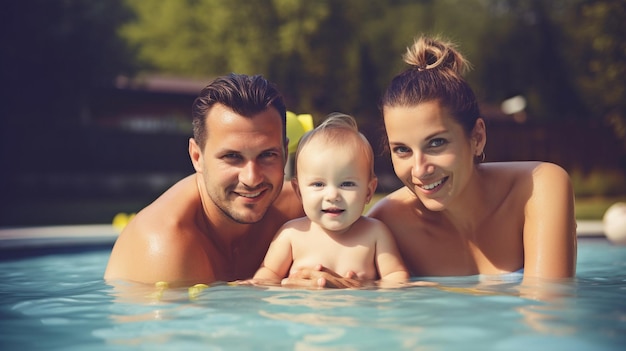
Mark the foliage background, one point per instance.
(566, 57)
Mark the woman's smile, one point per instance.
(435, 185)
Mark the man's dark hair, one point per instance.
(245, 95)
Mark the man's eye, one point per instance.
(232, 157)
(270, 155)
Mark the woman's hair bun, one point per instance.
(433, 53)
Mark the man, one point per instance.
(216, 224)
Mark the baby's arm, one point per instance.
(278, 258)
(390, 265)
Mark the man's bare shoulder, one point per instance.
(288, 203)
(174, 210)
(157, 244)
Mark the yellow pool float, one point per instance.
(195, 290)
(297, 126)
(121, 219)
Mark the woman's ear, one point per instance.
(479, 137)
(196, 155)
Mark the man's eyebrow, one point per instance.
(227, 151)
(272, 149)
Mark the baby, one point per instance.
(334, 178)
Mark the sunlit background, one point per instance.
(96, 96)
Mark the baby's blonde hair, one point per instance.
(337, 130)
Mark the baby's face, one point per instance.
(334, 183)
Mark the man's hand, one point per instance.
(321, 277)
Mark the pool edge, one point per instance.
(96, 234)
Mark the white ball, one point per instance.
(615, 223)
(513, 105)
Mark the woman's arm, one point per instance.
(550, 225)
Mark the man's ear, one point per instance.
(479, 137)
(195, 153)
(294, 185)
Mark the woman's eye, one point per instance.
(437, 142)
(401, 150)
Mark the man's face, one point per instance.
(242, 163)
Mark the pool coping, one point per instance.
(61, 235)
(103, 234)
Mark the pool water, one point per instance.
(58, 301)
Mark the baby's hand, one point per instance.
(321, 277)
(255, 282)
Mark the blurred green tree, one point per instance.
(597, 34)
(54, 52)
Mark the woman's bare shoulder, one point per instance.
(522, 168)
(546, 171)
(393, 203)
(526, 174)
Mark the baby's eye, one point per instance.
(348, 184)
(317, 184)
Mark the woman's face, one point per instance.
(430, 152)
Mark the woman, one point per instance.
(456, 215)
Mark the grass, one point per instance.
(594, 207)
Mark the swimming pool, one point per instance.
(55, 299)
